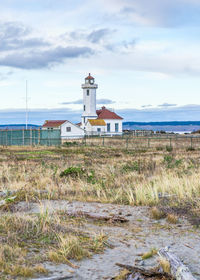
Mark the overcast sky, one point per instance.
(145, 56)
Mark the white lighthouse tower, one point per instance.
(89, 100)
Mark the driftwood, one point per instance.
(177, 269)
(97, 216)
(150, 272)
(56, 278)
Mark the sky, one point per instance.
(143, 54)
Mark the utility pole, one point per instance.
(26, 104)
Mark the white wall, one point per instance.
(112, 126)
(93, 129)
(75, 132)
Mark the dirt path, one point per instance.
(130, 240)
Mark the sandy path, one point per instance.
(137, 236)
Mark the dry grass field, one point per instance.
(166, 180)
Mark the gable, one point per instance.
(106, 114)
(53, 123)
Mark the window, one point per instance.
(88, 92)
(99, 129)
(84, 108)
(108, 127)
(116, 127)
(68, 129)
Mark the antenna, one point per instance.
(26, 104)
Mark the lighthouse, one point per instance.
(89, 100)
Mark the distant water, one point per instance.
(19, 126)
(176, 127)
(179, 132)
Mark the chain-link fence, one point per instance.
(30, 137)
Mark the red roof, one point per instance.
(89, 77)
(53, 123)
(106, 114)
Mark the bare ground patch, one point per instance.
(126, 242)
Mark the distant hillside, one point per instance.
(175, 126)
(19, 126)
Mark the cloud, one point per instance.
(146, 106)
(79, 101)
(99, 102)
(105, 101)
(97, 35)
(43, 58)
(19, 49)
(167, 105)
(5, 75)
(188, 112)
(165, 13)
(13, 36)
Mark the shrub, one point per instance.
(91, 177)
(169, 149)
(170, 162)
(159, 148)
(190, 149)
(70, 144)
(72, 171)
(132, 166)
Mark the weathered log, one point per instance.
(97, 216)
(56, 278)
(150, 272)
(177, 269)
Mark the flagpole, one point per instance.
(26, 104)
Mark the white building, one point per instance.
(93, 122)
(113, 122)
(67, 129)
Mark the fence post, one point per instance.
(31, 136)
(127, 143)
(170, 142)
(6, 138)
(23, 137)
(148, 142)
(103, 140)
(38, 136)
(191, 142)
